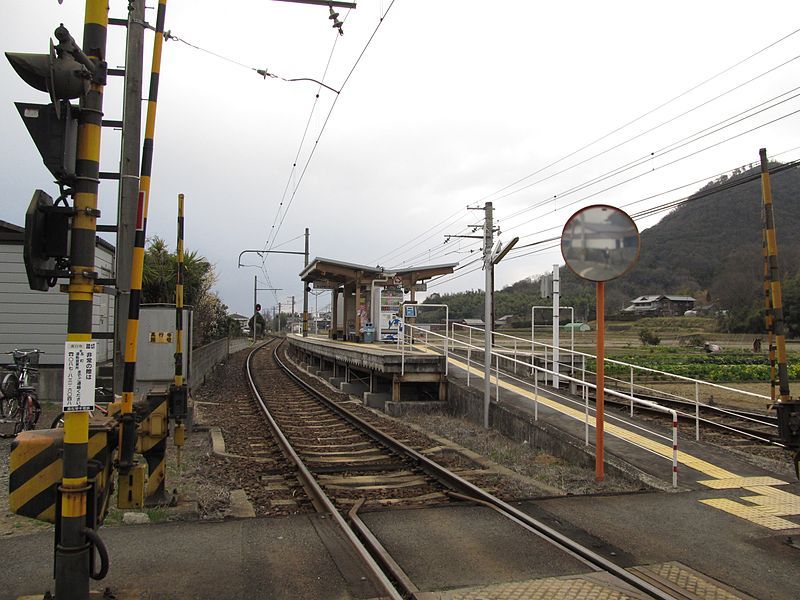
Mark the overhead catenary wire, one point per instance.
(646, 114)
(662, 105)
(733, 183)
(669, 148)
(330, 112)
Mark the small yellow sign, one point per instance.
(161, 337)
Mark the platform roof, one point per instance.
(325, 272)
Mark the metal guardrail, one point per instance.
(621, 383)
(536, 370)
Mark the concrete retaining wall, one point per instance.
(204, 359)
(468, 403)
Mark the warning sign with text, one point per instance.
(79, 376)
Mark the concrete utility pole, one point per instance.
(305, 293)
(129, 180)
(488, 241)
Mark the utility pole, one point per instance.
(129, 180)
(255, 308)
(72, 555)
(256, 305)
(292, 309)
(305, 293)
(488, 241)
(488, 266)
(279, 316)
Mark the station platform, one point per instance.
(382, 372)
(730, 483)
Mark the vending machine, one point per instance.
(391, 299)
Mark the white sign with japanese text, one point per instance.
(79, 376)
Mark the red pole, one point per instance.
(599, 404)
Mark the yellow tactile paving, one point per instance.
(754, 514)
(741, 482)
(690, 581)
(656, 447)
(774, 502)
(540, 589)
(769, 505)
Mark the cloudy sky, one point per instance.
(540, 108)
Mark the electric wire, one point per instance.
(640, 117)
(738, 181)
(643, 160)
(330, 112)
(730, 90)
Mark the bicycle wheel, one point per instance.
(58, 421)
(28, 414)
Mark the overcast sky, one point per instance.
(452, 104)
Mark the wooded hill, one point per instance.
(710, 247)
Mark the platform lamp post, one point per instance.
(600, 243)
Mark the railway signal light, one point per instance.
(64, 73)
(46, 243)
(258, 308)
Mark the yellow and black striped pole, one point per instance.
(180, 387)
(72, 557)
(768, 316)
(775, 278)
(128, 428)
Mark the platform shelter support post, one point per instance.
(334, 312)
(72, 554)
(599, 403)
(357, 320)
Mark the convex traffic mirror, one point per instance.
(600, 243)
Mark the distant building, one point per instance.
(241, 320)
(478, 323)
(504, 321)
(660, 306)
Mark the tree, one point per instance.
(158, 286)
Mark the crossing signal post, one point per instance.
(68, 138)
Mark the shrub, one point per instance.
(649, 338)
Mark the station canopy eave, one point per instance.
(325, 273)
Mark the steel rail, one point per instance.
(465, 488)
(321, 502)
(752, 434)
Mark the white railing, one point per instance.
(585, 386)
(632, 386)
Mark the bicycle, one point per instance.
(19, 406)
(58, 421)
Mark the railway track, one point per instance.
(758, 427)
(344, 463)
